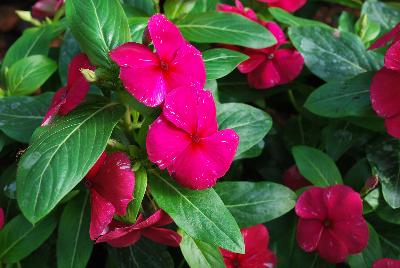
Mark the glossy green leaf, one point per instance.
(349, 3)
(252, 203)
(74, 246)
(98, 26)
(386, 213)
(358, 174)
(19, 238)
(251, 124)
(226, 28)
(199, 254)
(28, 74)
(342, 98)
(286, 18)
(137, 26)
(220, 62)
(178, 8)
(202, 6)
(316, 166)
(69, 48)
(60, 156)
(389, 236)
(333, 55)
(147, 6)
(384, 157)
(382, 14)
(201, 214)
(20, 116)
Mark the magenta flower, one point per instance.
(150, 76)
(238, 9)
(185, 139)
(111, 182)
(257, 255)
(386, 263)
(2, 220)
(331, 222)
(293, 179)
(288, 5)
(124, 235)
(46, 8)
(69, 97)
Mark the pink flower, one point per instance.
(331, 222)
(124, 235)
(293, 179)
(386, 263)
(150, 76)
(185, 139)
(257, 255)
(2, 220)
(288, 5)
(111, 182)
(238, 9)
(394, 34)
(46, 8)
(69, 97)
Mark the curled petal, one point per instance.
(55, 105)
(342, 202)
(309, 234)
(102, 212)
(310, 204)
(163, 236)
(80, 61)
(353, 233)
(121, 237)
(386, 38)
(331, 248)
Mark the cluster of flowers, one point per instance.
(385, 86)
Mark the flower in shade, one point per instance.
(111, 182)
(149, 76)
(331, 222)
(185, 139)
(386, 263)
(69, 97)
(257, 254)
(2, 220)
(124, 235)
(293, 179)
(46, 8)
(288, 5)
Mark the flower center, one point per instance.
(87, 183)
(164, 66)
(270, 56)
(327, 223)
(195, 138)
(236, 263)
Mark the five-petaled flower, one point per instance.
(69, 97)
(111, 182)
(257, 255)
(185, 139)
(2, 220)
(288, 5)
(150, 76)
(331, 222)
(123, 235)
(386, 263)
(46, 8)
(293, 179)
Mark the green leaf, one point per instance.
(74, 246)
(28, 74)
(19, 238)
(389, 236)
(346, 22)
(358, 174)
(204, 6)
(251, 124)
(386, 213)
(384, 157)
(316, 166)
(226, 28)
(69, 48)
(199, 254)
(20, 116)
(382, 14)
(333, 55)
(147, 6)
(178, 8)
(342, 98)
(98, 26)
(60, 156)
(137, 26)
(201, 214)
(220, 62)
(252, 203)
(286, 18)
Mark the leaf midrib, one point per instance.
(17, 241)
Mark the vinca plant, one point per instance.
(202, 134)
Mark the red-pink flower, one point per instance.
(238, 9)
(111, 182)
(288, 5)
(124, 235)
(386, 263)
(185, 139)
(46, 8)
(2, 220)
(393, 35)
(257, 255)
(293, 179)
(331, 222)
(150, 76)
(69, 97)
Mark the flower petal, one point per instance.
(264, 76)
(392, 125)
(164, 142)
(56, 103)
(239, 9)
(2, 220)
(80, 61)
(342, 202)
(331, 248)
(308, 234)
(255, 238)
(310, 204)
(158, 218)
(293, 179)
(163, 236)
(288, 63)
(207, 123)
(353, 233)
(254, 60)
(386, 38)
(392, 57)
(166, 37)
(277, 31)
(134, 55)
(386, 263)
(46, 8)
(96, 167)
(288, 5)
(102, 213)
(264, 258)
(121, 237)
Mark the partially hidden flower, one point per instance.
(70, 96)
(238, 9)
(257, 254)
(288, 5)
(293, 179)
(111, 182)
(149, 76)
(386, 263)
(271, 66)
(46, 8)
(123, 235)
(185, 139)
(331, 222)
(2, 220)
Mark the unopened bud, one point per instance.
(27, 16)
(89, 75)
